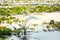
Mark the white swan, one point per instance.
(26, 20)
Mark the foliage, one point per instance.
(58, 26)
(53, 24)
(5, 31)
(32, 29)
(17, 30)
(4, 11)
(47, 26)
(3, 19)
(31, 10)
(44, 23)
(18, 10)
(22, 21)
(15, 20)
(35, 24)
(12, 17)
(8, 19)
(23, 9)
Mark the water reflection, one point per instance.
(24, 37)
(13, 37)
(34, 36)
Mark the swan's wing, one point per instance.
(27, 19)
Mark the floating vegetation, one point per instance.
(24, 9)
(53, 24)
(19, 24)
(35, 24)
(31, 10)
(32, 29)
(17, 31)
(15, 20)
(5, 31)
(58, 25)
(44, 30)
(44, 23)
(9, 22)
(22, 21)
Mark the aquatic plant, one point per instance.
(58, 26)
(5, 31)
(31, 10)
(15, 20)
(18, 10)
(4, 11)
(55, 25)
(28, 8)
(32, 29)
(9, 21)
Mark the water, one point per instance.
(36, 36)
(45, 36)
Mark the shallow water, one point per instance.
(36, 36)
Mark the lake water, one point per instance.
(37, 35)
